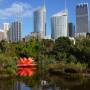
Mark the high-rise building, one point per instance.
(14, 33)
(2, 35)
(6, 27)
(40, 21)
(59, 25)
(71, 29)
(82, 18)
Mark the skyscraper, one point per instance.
(2, 35)
(82, 18)
(6, 27)
(14, 33)
(71, 29)
(59, 25)
(40, 21)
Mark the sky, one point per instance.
(10, 9)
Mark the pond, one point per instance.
(43, 83)
(33, 78)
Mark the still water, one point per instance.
(43, 83)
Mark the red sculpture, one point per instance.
(26, 67)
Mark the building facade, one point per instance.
(6, 27)
(71, 29)
(59, 25)
(14, 33)
(82, 18)
(40, 21)
(2, 35)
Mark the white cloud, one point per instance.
(21, 9)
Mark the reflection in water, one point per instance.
(22, 86)
(26, 71)
(41, 81)
(35, 83)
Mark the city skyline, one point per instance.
(52, 6)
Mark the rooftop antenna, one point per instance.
(18, 15)
(83, 1)
(44, 3)
(65, 4)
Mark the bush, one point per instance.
(77, 67)
(7, 64)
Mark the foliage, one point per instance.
(81, 50)
(62, 44)
(62, 66)
(46, 52)
(7, 64)
(61, 48)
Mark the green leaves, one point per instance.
(7, 64)
(62, 44)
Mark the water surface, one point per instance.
(43, 83)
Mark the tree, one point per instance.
(62, 44)
(61, 48)
(4, 46)
(46, 46)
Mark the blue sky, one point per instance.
(9, 10)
